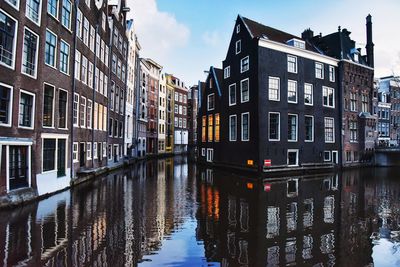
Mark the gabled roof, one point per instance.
(218, 74)
(258, 30)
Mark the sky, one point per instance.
(186, 37)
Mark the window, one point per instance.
(91, 38)
(210, 127)
(77, 64)
(8, 31)
(89, 113)
(203, 152)
(211, 102)
(88, 151)
(48, 105)
(33, 10)
(84, 69)
(238, 46)
(110, 127)
(232, 128)
(50, 49)
(353, 131)
(62, 109)
(26, 110)
(79, 18)
(216, 131)
(292, 91)
(82, 114)
(273, 88)
(308, 94)
(95, 150)
(293, 157)
(210, 155)
(180, 122)
(76, 109)
(244, 64)
(292, 64)
(309, 125)
(292, 127)
(232, 94)
(274, 126)
(114, 63)
(245, 126)
(227, 72)
(120, 129)
(327, 156)
(119, 69)
(75, 152)
(18, 169)
(104, 149)
(328, 97)
(238, 28)
(319, 70)
(203, 128)
(331, 73)
(329, 130)
(365, 105)
(96, 113)
(66, 14)
(64, 57)
(86, 29)
(5, 105)
(244, 91)
(353, 101)
(102, 51)
(29, 58)
(90, 75)
(52, 8)
(176, 108)
(49, 154)
(176, 122)
(96, 79)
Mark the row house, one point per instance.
(162, 115)
(192, 118)
(142, 108)
(169, 124)
(152, 106)
(279, 105)
(355, 81)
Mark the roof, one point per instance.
(258, 30)
(218, 74)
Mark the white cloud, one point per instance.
(159, 33)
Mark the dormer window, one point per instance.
(297, 43)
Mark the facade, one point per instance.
(180, 116)
(355, 79)
(383, 111)
(142, 108)
(152, 106)
(278, 103)
(192, 118)
(391, 85)
(169, 133)
(162, 109)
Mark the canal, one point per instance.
(171, 212)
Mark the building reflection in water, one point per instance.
(124, 219)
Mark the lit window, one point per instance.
(210, 128)
(217, 133)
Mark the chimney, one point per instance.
(370, 45)
(308, 34)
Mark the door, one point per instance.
(115, 153)
(82, 154)
(61, 158)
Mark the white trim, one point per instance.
(55, 49)
(333, 133)
(53, 110)
(104, 152)
(241, 62)
(279, 88)
(16, 6)
(66, 109)
(203, 152)
(208, 102)
(88, 145)
(330, 156)
(39, 13)
(241, 90)
(36, 54)
(229, 94)
(227, 72)
(279, 126)
(84, 113)
(231, 116)
(296, 91)
(10, 106)
(14, 52)
(77, 110)
(210, 155)
(69, 57)
(297, 157)
(296, 63)
(70, 15)
(313, 129)
(331, 69)
(238, 44)
(94, 155)
(334, 98)
(32, 111)
(297, 51)
(75, 151)
(58, 10)
(248, 126)
(91, 113)
(238, 28)
(297, 126)
(336, 161)
(322, 70)
(54, 136)
(312, 94)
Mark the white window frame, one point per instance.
(89, 115)
(203, 152)
(297, 127)
(297, 157)
(69, 57)
(32, 112)
(330, 156)
(16, 6)
(312, 94)
(95, 150)
(66, 109)
(10, 106)
(279, 88)
(77, 65)
(313, 129)
(56, 137)
(84, 113)
(227, 72)
(104, 147)
(55, 49)
(322, 70)
(241, 90)
(279, 126)
(208, 103)
(241, 64)
(296, 91)
(75, 153)
(36, 55)
(333, 133)
(295, 64)
(241, 127)
(331, 73)
(333, 93)
(229, 95)
(70, 15)
(57, 12)
(77, 110)
(14, 50)
(238, 28)
(54, 106)
(88, 150)
(230, 133)
(210, 155)
(39, 12)
(238, 46)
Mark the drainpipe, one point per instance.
(341, 95)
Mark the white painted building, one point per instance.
(162, 103)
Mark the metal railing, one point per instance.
(6, 56)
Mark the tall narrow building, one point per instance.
(162, 104)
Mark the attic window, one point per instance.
(238, 28)
(297, 43)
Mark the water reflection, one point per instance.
(171, 212)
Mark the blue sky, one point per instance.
(187, 36)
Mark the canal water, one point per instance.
(171, 212)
